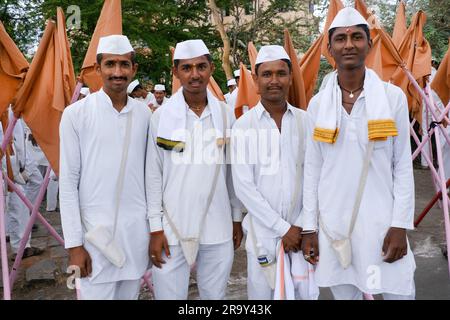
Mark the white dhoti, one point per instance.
(350, 292)
(118, 290)
(52, 189)
(213, 266)
(17, 217)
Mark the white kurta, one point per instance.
(331, 180)
(92, 136)
(266, 186)
(184, 185)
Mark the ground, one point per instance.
(44, 278)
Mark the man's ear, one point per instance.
(175, 72)
(135, 69)
(213, 67)
(97, 68)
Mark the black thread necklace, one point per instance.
(351, 95)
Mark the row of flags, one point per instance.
(39, 92)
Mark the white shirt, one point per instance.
(157, 105)
(92, 137)
(331, 181)
(184, 187)
(266, 186)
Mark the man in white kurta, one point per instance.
(265, 154)
(160, 96)
(382, 261)
(179, 181)
(92, 135)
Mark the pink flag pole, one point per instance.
(76, 93)
(3, 250)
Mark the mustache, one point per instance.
(118, 78)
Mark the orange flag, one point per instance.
(400, 25)
(247, 94)
(296, 95)
(47, 89)
(212, 85)
(13, 67)
(374, 59)
(362, 8)
(109, 23)
(441, 81)
(416, 52)
(310, 65)
(252, 54)
(333, 9)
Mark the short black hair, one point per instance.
(137, 88)
(285, 60)
(177, 62)
(133, 58)
(363, 26)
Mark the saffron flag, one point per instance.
(296, 96)
(247, 94)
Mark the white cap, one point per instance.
(160, 87)
(132, 85)
(115, 44)
(237, 73)
(271, 53)
(348, 17)
(190, 49)
(85, 91)
(231, 82)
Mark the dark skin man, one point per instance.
(194, 75)
(349, 46)
(116, 72)
(273, 80)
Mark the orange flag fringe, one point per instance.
(333, 9)
(109, 23)
(247, 94)
(13, 67)
(296, 96)
(441, 81)
(309, 66)
(400, 25)
(47, 89)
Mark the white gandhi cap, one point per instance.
(115, 44)
(132, 86)
(231, 82)
(190, 49)
(160, 87)
(271, 53)
(348, 17)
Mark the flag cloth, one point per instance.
(441, 81)
(296, 96)
(252, 54)
(247, 94)
(109, 23)
(310, 65)
(400, 25)
(13, 67)
(416, 52)
(48, 89)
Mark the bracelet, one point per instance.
(303, 233)
(154, 233)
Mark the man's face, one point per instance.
(273, 80)
(349, 47)
(231, 88)
(159, 96)
(116, 71)
(194, 74)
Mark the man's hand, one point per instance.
(158, 243)
(238, 234)
(78, 256)
(292, 239)
(310, 247)
(395, 245)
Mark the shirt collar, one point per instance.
(260, 110)
(107, 100)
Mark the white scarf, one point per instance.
(379, 115)
(172, 123)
